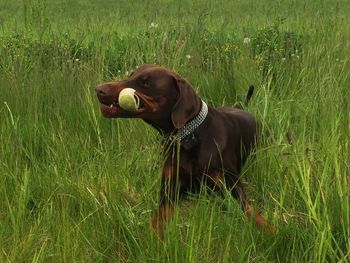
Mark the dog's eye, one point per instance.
(146, 84)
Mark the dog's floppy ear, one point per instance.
(187, 105)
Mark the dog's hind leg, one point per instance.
(239, 194)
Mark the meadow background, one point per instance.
(75, 187)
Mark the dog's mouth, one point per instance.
(110, 107)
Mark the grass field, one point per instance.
(75, 187)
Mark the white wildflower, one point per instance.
(188, 56)
(153, 25)
(283, 59)
(246, 40)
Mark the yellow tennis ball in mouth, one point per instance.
(128, 100)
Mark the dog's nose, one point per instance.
(100, 90)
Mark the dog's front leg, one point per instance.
(168, 195)
(164, 213)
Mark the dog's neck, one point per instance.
(187, 135)
(164, 127)
(190, 127)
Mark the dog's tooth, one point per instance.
(111, 106)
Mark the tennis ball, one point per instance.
(128, 100)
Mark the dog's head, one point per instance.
(166, 99)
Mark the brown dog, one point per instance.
(208, 145)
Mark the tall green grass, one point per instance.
(76, 187)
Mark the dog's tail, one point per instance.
(249, 95)
(238, 105)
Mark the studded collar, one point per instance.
(187, 134)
